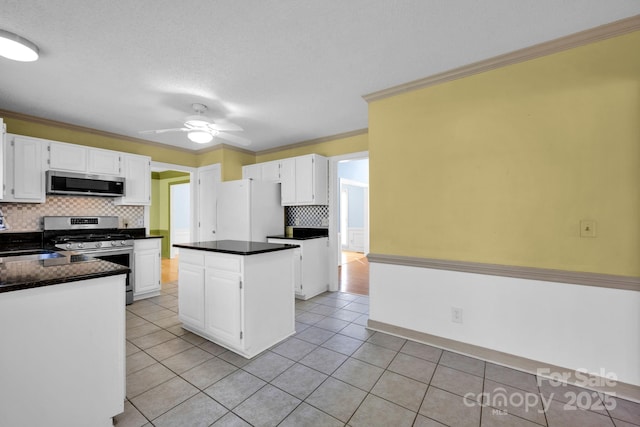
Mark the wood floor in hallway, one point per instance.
(353, 272)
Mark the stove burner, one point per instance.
(92, 237)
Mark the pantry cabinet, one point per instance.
(24, 170)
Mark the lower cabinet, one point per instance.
(312, 266)
(146, 267)
(241, 302)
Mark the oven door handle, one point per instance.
(96, 253)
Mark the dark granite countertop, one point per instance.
(236, 247)
(282, 236)
(16, 274)
(139, 233)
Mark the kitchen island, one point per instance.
(62, 325)
(238, 294)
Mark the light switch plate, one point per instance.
(587, 228)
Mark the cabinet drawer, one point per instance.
(231, 264)
(142, 244)
(191, 257)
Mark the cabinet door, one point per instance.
(304, 179)
(191, 294)
(104, 162)
(223, 299)
(252, 172)
(288, 180)
(271, 171)
(3, 133)
(137, 173)
(146, 267)
(27, 171)
(67, 157)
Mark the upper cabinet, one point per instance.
(137, 174)
(266, 171)
(304, 180)
(3, 132)
(78, 158)
(24, 168)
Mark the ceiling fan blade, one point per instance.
(163, 130)
(233, 138)
(224, 127)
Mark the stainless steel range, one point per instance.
(96, 236)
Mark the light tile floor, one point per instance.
(334, 372)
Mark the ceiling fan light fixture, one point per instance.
(17, 48)
(199, 136)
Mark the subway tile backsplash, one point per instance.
(28, 216)
(307, 216)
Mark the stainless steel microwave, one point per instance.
(84, 184)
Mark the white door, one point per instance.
(208, 178)
(180, 213)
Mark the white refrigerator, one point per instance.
(248, 210)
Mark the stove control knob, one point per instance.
(122, 243)
(80, 245)
(68, 246)
(113, 243)
(99, 244)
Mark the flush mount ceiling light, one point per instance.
(12, 46)
(200, 136)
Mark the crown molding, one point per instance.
(314, 141)
(48, 122)
(225, 147)
(603, 32)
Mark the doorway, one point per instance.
(349, 223)
(171, 212)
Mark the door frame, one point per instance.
(172, 207)
(334, 216)
(193, 202)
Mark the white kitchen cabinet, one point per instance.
(146, 267)
(24, 170)
(252, 172)
(104, 162)
(266, 171)
(78, 158)
(241, 302)
(137, 174)
(312, 265)
(191, 289)
(222, 299)
(304, 180)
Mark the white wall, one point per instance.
(571, 326)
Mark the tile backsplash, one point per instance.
(28, 216)
(307, 216)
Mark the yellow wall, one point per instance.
(76, 136)
(502, 166)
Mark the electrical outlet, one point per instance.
(587, 228)
(325, 222)
(456, 314)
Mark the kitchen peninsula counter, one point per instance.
(17, 275)
(238, 294)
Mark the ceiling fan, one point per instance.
(202, 130)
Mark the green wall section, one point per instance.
(501, 167)
(160, 209)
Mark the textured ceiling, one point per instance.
(286, 71)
